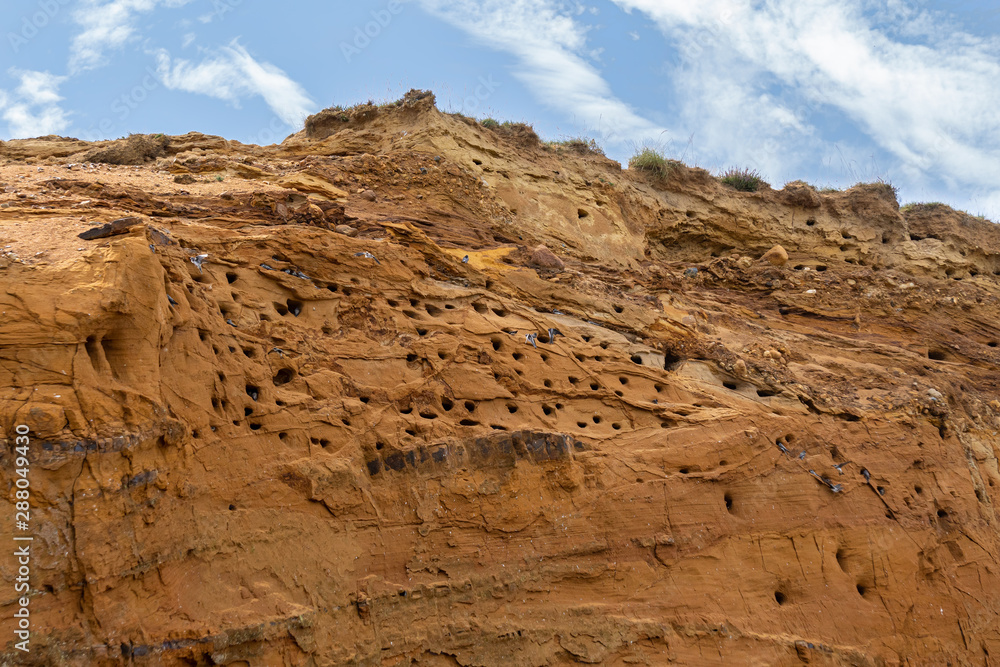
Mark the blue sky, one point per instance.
(828, 91)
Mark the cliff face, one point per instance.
(338, 447)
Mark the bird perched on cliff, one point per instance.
(840, 466)
(867, 475)
(531, 338)
(365, 253)
(553, 333)
(198, 260)
(171, 300)
(782, 448)
(465, 260)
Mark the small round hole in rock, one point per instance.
(283, 376)
(780, 597)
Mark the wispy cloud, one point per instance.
(551, 50)
(33, 108)
(107, 25)
(232, 74)
(912, 82)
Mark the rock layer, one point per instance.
(319, 449)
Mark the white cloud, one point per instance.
(755, 75)
(232, 74)
(188, 40)
(33, 109)
(551, 49)
(633, 35)
(107, 25)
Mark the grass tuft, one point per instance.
(653, 162)
(580, 145)
(744, 180)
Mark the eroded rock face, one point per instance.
(316, 448)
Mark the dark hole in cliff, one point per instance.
(497, 344)
(579, 357)
(619, 394)
(247, 412)
(942, 514)
(253, 391)
(497, 427)
(410, 431)
(580, 213)
(284, 376)
(232, 508)
(499, 312)
(729, 502)
(544, 356)
(596, 419)
(517, 356)
(254, 427)
(729, 385)
(594, 386)
(684, 471)
(616, 426)
(546, 410)
(282, 435)
(623, 380)
(573, 380)
(92, 351)
(231, 277)
(476, 161)
(765, 393)
(470, 406)
(447, 404)
(636, 359)
(670, 361)
(658, 388)
(604, 345)
(842, 559)
(937, 354)
(294, 307)
(432, 310)
(427, 414)
(410, 358)
(281, 308)
(347, 291)
(881, 490)
(918, 489)
(810, 222)
(582, 424)
(780, 597)
(469, 422)
(442, 355)
(480, 308)
(619, 309)
(364, 399)
(421, 332)
(861, 590)
(511, 408)
(992, 343)
(249, 352)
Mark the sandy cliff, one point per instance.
(331, 443)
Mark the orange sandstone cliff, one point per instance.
(331, 440)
